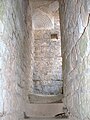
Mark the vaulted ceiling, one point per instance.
(45, 14)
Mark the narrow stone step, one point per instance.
(44, 110)
(37, 98)
(46, 119)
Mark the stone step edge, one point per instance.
(34, 98)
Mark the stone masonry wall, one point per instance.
(75, 33)
(47, 75)
(14, 58)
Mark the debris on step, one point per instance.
(61, 115)
(64, 114)
(25, 116)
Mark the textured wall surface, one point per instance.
(30, 48)
(75, 32)
(14, 58)
(47, 74)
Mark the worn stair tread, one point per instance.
(47, 119)
(37, 98)
(44, 110)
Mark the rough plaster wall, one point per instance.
(14, 58)
(75, 33)
(47, 74)
(30, 48)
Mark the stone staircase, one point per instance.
(44, 108)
